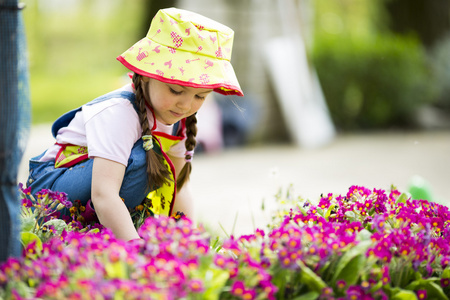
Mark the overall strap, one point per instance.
(64, 120)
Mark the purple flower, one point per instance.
(27, 202)
(378, 222)
(26, 191)
(421, 294)
(88, 214)
(341, 284)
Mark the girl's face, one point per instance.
(172, 102)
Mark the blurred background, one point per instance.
(329, 85)
(382, 64)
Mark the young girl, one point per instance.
(138, 141)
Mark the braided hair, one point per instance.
(157, 172)
(191, 133)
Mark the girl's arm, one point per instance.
(184, 201)
(107, 179)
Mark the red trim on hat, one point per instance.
(216, 87)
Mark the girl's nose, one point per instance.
(184, 103)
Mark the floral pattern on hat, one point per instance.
(185, 48)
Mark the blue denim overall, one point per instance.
(76, 181)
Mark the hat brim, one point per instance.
(176, 66)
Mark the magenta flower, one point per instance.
(27, 202)
(379, 222)
(421, 294)
(249, 294)
(325, 202)
(269, 289)
(26, 191)
(233, 245)
(238, 288)
(341, 284)
(196, 286)
(260, 233)
(169, 260)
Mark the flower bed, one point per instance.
(367, 244)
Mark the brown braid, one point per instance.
(157, 172)
(191, 133)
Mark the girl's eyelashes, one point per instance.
(200, 97)
(174, 91)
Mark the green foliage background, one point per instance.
(371, 79)
(376, 83)
(73, 47)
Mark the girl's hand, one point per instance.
(107, 177)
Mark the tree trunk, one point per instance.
(428, 19)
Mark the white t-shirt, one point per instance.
(109, 129)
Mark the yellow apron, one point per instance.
(69, 155)
(163, 198)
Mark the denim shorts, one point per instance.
(76, 181)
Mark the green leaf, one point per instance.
(364, 235)
(279, 279)
(434, 291)
(311, 279)
(302, 210)
(308, 296)
(29, 237)
(21, 287)
(116, 270)
(320, 211)
(351, 215)
(420, 282)
(214, 281)
(402, 198)
(405, 295)
(119, 295)
(376, 287)
(95, 230)
(58, 224)
(28, 222)
(446, 273)
(330, 209)
(352, 270)
(82, 273)
(351, 263)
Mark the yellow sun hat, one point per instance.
(185, 48)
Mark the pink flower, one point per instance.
(238, 288)
(421, 294)
(249, 294)
(196, 285)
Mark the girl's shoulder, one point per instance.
(125, 93)
(118, 103)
